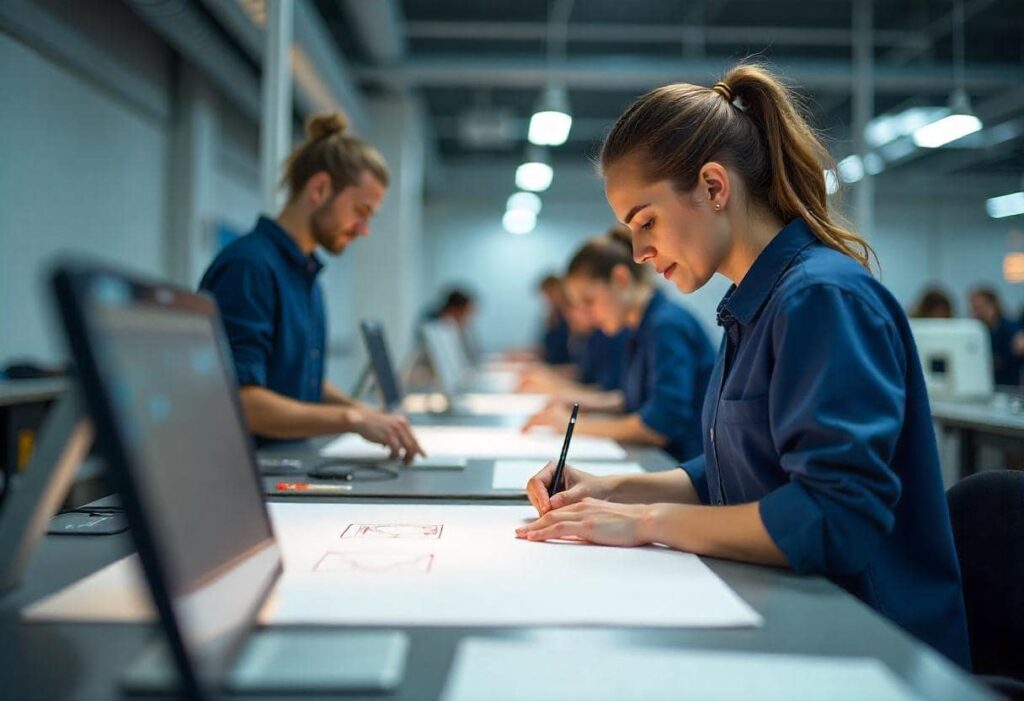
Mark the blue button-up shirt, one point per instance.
(273, 311)
(817, 409)
(555, 342)
(669, 359)
(603, 360)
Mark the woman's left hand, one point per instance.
(555, 415)
(592, 520)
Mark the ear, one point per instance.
(319, 188)
(713, 183)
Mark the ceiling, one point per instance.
(479, 65)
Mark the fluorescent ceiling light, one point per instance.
(831, 182)
(1005, 206)
(951, 128)
(851, 169)
(536, 173)
(524, 200)
(551, 121)
(873, 164)
(519, 221)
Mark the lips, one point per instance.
(667, 272)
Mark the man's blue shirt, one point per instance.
(817, 409)
(669, 359)
(273, 311)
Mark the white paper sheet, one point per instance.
(413, 565)
(117, 593)
(479, 404)
(365, 564)
(514, 474)
(502, 670)
(481, 442)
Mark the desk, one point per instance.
(802, 615)
(996, 422)
(23, 405)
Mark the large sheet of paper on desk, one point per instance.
(445, 565)
(481, 442)
(116, 593)
(500, 670)
(479, 404)
(514, 474)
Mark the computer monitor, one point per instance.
(158, 381)
(440, 342)
(381, 365)
(956, 357)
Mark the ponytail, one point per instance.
(749, 121)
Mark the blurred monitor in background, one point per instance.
(955, 356)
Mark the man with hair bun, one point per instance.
(273, 308)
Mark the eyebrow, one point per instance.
(633, 212)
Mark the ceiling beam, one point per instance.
(618, 73)
(694, 33)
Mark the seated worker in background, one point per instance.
(555, 338)
(459, 307)
(668, 355)
(272, 306)
(819, 449)
(933, 304)
(1007, 337)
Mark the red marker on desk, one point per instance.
(307, 488)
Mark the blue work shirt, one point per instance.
(273, 311)
(555, 342)
(817, 409)
(1006, 365)
(603, 360)
(668, 361)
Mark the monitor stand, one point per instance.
(292, 660)
(36, 494)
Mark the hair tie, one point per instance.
(724, 90)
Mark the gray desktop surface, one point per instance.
(472, 482)
(802, 615)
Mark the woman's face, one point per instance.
(600, 302)
(680, 234)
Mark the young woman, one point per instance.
(819, 452)
(667, 362)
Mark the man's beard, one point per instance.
(323, 227)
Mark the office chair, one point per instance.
(987, 512)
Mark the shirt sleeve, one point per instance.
(694, 467)
(669, 408)
(836, 408)
(245, 294)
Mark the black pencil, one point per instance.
(555, 487)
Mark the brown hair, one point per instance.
(750, 122)
(601, 254)
(329, 149)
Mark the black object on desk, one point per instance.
(556, 482)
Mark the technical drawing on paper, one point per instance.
(374, 563)
(393, 530)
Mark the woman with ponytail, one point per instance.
(818, 448)
(664, 367)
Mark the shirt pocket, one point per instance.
(746, 453)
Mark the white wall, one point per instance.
(80, 172)
(925, 230)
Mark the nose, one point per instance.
(642, 253)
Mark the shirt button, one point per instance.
(711, 434)
(719, 501)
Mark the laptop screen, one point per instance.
(156, 370)
(380, 362)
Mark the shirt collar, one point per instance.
(309, 264)
(745, 300)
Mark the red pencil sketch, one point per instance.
(374, 563)
(393, 530)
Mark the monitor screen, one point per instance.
(157, 372)
(380, 361)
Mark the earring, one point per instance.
(718, 206)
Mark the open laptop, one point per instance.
(380, 363)
(158, 382)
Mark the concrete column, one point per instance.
(276, 99)
(863, 108)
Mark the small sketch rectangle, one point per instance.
(375, 563)
(394, 531)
